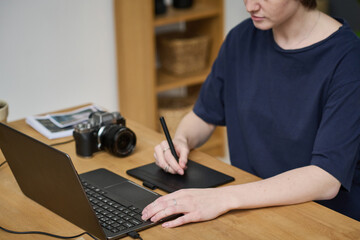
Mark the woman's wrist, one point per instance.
(182, 139)
(229, 199)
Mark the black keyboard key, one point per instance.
(138, 217)
(121, 208)
(121, 228)
(121, 221)
(111, 209)
(116, 212)
(128, 225)
(135, 209)
(110, 222)
(108, 227)
(135, 222)
(115, 225)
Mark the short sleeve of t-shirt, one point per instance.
(336, 146)
(210, 104)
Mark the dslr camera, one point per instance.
(104, 131)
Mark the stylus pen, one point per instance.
(168, 138)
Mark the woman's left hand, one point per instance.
(196, 205)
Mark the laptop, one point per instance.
(101, 202)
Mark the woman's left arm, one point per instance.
(291, 187)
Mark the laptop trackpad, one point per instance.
(132, 193)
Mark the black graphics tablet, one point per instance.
(195, 176)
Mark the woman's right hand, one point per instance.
(166, 161)
(191, 133)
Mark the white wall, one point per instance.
(55, 54)
(235, 12)
(59, 53)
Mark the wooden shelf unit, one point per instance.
(139, 82)
(201, 10)
(167, 81)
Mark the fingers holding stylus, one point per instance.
(165, 160)
(182, 151)
(159, 156)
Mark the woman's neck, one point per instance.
(298, 31)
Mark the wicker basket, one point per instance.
(181, 53)
(173, 109)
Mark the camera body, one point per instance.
(104, 131)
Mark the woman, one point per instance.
(286, 83)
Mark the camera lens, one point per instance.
(118, 140)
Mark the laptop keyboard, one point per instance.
(112, 215)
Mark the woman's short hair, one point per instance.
(311, 4)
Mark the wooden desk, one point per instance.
(302, 221)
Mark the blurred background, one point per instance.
(60, 53)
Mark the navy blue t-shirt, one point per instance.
(286, 109)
